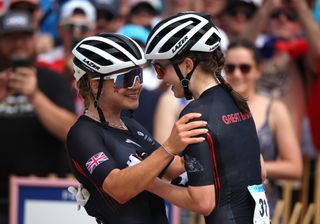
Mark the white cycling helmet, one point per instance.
(188, 31)
(106, 53)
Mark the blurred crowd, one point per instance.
(272, 50)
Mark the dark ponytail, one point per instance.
(213, 63)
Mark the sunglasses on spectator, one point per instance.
(244, 68)
(246, 11)
(71, 27)
(126, 79)
(289, 14)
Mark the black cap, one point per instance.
(12, 21)
(109, 6)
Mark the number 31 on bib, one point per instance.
(261, 211)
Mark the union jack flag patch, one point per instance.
(95, 161)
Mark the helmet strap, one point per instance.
(96, 100)
(186, 80)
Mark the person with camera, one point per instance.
(36, 108)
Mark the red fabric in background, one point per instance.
(314, 110)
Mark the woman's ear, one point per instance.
(94, 86)
(188, 64)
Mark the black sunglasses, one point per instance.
(244, 68)
(71, 27)
(289, 14)
(248, 12)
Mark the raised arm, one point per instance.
(310, 27)
(260, 20)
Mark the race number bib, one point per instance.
(261, 211)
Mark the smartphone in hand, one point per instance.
(20, 62)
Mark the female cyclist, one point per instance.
(224, 172)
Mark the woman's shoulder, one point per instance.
(84, 127)
(278, 112)
(277, 106)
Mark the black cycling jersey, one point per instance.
(94, 150)
(229, 159)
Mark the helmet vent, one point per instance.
(214, 38)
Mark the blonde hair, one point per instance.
(84, 89)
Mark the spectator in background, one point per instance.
(215, 8)
(144, 13)
(236, 16)
(36, 108)
(77, 20)
(108, 17)
(289, 67)
(175, 6)
(278, 143)
(44, 41)
(30, 6)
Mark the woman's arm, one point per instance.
(260, 19)
(310, 27)
(263, 169)
(124, 184)
(175, 169)
(197, 199)
(289, 164)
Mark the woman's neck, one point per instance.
(201, 83)
(113, 119)
(250, 95)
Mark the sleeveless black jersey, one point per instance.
(94, 150)
(229, 158)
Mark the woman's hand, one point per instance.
(24, 81)
(185, 132)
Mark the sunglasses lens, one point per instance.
(229, 68)
(246, 11)
(72, 27)
(129, 79)
(244, 68)
(290, 15)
